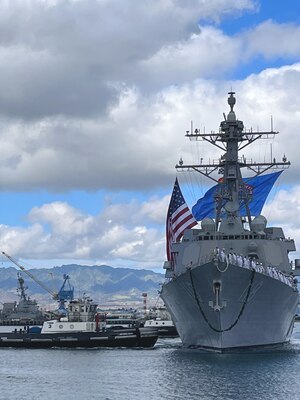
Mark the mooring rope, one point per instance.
(240, 313)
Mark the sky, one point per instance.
(95, 100)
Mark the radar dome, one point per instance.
(208, 225)
(259, 223)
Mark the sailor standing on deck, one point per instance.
(240, 260)
(253, 264)
(234, 258)
(223, 255)
(247, 263)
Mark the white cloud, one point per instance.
(138, 143)
(63, 58)
(285, 207)
(59, 231)
(284, 210)
(99, 95)
(270, 39)
(156, 208)
(207, 53)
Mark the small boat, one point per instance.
(164, 327)
(160, 319)
(121, 318)
(81, 328)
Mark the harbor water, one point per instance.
(165, 372)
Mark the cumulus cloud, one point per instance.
(270, 40)
(284, 210)
(99, 94)
(138, 143)
(120, 231)
(133, 232)
(64, 57)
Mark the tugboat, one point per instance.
(160, 320)
(229, 284)
(165, 328)
(81, 328)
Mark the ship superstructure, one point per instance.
(229, 284)
(26, 311)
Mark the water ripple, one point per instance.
(166, 372)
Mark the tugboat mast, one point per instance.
(232, 190)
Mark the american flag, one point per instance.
(179, 218)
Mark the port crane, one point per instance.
(66, 292)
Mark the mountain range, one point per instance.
(105, 284)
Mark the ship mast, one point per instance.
(232, 190)
(21, 289)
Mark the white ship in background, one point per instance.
(229, 285)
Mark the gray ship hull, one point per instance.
(250, 309)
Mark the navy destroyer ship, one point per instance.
(24, 312)
(229, 281)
